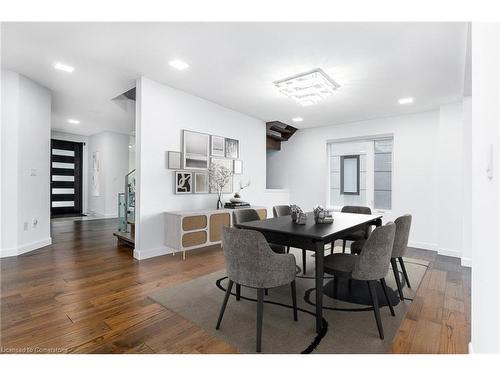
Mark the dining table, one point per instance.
(312, 236)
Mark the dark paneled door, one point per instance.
(66, 177)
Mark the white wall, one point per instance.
(85, 160)
(26, 116)
(114, 161)
(485, 202)
(162, 113)
(423, 172)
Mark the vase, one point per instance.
(219, 203)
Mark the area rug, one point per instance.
(351, 326)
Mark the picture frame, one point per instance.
(195, 150)
(232, 148)
(174, 160)
(201, 185)
(238, 166)
(217, 146)
(228, 163)
(183, 182)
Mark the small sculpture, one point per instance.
(322, 215)
(295, 210)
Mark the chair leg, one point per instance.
(398, 280)
(332, 246)
(294, 300)
(266, 292)
(238, 292)
(224, 304)
(304, 261)
(343, 245)
(288, 249)
(384, 287)
(376, 311)
(260, 313)
(404, 271)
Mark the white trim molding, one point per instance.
(423, 245)
(150, 253)
(466, 262)
(14, 251)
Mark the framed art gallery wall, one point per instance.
(162, 114)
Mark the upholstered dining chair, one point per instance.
(250, 262)
(285, 211)
(361, 234)
(403, 225)
(371, 265)
(249, 214)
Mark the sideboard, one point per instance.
(188, 230)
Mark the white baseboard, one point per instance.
(150, 253)
(470, 348)
(25, 248)
(450, 252)
(423, 245)
(466, 262)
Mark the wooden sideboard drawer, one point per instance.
(194, 222)
(217, 221)
(194, 238)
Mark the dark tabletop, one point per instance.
(342, 222)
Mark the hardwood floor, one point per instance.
(85, 294)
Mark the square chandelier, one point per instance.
(308, 88)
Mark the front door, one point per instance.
(66, 178)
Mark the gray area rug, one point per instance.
(351, 323)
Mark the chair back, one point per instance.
(403, 224)
(244, 215)
(373, 263)
(251, 262)
(281, 211)
(359, 210)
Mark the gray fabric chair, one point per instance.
(285, 211)
(251, 262)
(249, 214)
(371, 265)
(403, 225)
(358, 235)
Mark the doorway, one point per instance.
(66, 178)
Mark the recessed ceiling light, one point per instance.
(405, 100)
(297, 119)
(308, 88)
(63, 67)
(73, 121)
(178, 64)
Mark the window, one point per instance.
(349, 174)
(361, 173)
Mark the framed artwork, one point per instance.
(228, 163)
(200, 183)
(237, 166)
(217, 146)
(195, 147)
(96, 170)
(174, 160)
(232, 148)
(183, 182)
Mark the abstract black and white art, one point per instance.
(217, 146)
(183, 182)
(232, 148)
(195, 150)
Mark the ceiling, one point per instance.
(235, 65)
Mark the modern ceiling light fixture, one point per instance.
(178, 64)
(73, 121)
(405, 100)
(63, 67)
(308, 88)
(297, 119)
